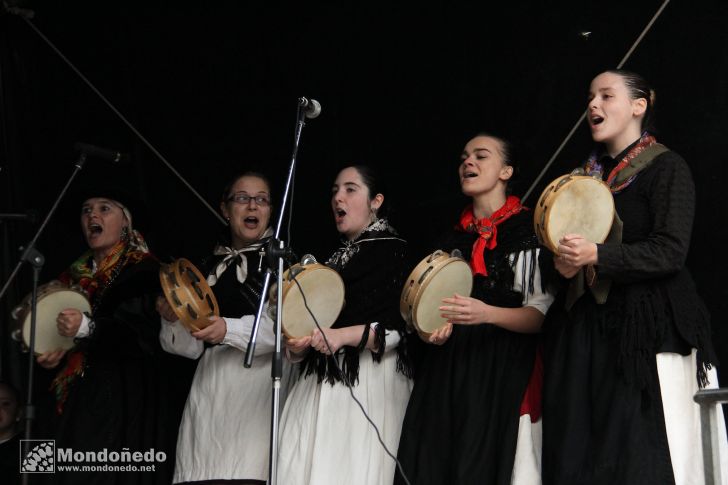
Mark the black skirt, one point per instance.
(461, 425)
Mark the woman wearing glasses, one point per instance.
(224, 433)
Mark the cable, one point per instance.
(290, 209)
(123, 118)
(347, 383)
(583, 115)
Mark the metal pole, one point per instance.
(708, 399)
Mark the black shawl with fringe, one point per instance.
(462, 420)
(372, 267)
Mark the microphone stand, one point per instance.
(35, 258)
(276, 250)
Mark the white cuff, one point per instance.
(84, 330)
(239, 330)
(391, 340)
(176, 339)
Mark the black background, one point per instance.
(214, 88)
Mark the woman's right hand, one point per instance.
(298, 345)
(51, 358)
(165, 310)
(565, 269)
(440, 336)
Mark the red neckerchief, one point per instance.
(487, 229)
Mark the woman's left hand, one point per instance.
(213, 333)
(68, 322)
(464, 310)
(574, 250)
(298, 346)
(336, 338)
(51, 358)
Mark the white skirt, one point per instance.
(527, 462)
(225, 429)
(325, 438)
(678, 385)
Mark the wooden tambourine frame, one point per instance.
(427, 275)
(188, 293)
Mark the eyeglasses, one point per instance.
(243, 198)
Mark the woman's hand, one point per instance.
(464, 310)
(440, 336)
(565, 269)
(574, 252)
(298, 345)
(213, 333)
(51, 358)
(165, 310)
(577, 251)
(336, 337)
(69, 321)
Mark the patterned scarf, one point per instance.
(235, 256)
(94, 280)
(593, 166)
(326, 367)
(487, 229)
(379, 229)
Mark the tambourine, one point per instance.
(188, 293)
(438, 276)
(323, 289)
(53, 298)
(573, 204)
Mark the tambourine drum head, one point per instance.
(324, 292)
(48, 307)
(453, 277)
(586, 207)
(573, 204)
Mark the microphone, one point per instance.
(311, 107)
(94, 151)
(27, 215)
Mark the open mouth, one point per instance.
(595, 120)
(339, 214)
(95, 229)
(251, 222)
(469, 175)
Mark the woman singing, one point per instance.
(629, 343)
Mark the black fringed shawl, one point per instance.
(474, 383)
(372, 267)
(514, 235)
(653, 305)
